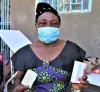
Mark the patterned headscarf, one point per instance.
(45, 7)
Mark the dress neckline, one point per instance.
(53, 60)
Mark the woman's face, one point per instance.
(47, 19)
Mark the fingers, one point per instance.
(27, 90)
(79, 86)
(75, 86)
(84, 78)
(82, 86)
(83, 83)
(21, 88)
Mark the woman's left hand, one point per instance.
(83, 83)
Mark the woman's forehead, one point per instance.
(48, 16)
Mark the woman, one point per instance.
(50, 57)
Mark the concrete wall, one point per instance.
(22, 16)
(83, 29)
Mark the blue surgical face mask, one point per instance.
(48, 34)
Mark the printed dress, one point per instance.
(53, 76)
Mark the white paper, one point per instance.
(94, 79)
(14, 39)
(78, 71)
(29, 78)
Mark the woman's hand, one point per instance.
(83, 83)
(21, 88)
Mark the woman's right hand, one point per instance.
(21, 88)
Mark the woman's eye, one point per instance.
(42, 23)
(55, 24)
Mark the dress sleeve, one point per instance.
(18, 61)
(81, 54)
(23, 59)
